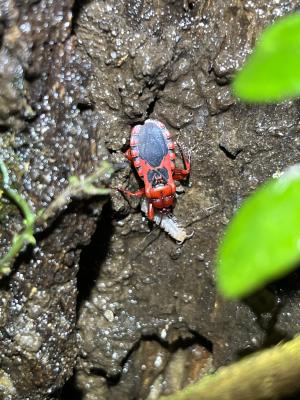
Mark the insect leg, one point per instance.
(128, 154)
(138, 193)
(150, 214)
(180, 174)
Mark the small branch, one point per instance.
(20, 240)
(15, 197)
(77, 187)
(265, 375)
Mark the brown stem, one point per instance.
(266, 375)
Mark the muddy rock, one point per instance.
(44, 140)
(174, 62)
(104, 296)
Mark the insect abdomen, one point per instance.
(151, 142)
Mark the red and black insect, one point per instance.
(152, 152)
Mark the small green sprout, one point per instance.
(76, 188)
(20, 240)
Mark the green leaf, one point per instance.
(262, 242)
(272, 72)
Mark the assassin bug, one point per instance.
(152, 152)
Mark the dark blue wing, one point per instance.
(152, 144)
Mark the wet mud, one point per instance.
(106, 306)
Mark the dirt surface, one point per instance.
(103, 297)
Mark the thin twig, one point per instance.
(20, 240)
(77, 187)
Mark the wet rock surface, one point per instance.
(42, 73)
(74, 79)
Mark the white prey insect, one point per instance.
(168, 222)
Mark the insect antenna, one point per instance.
(208, 214)
(140, 250)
